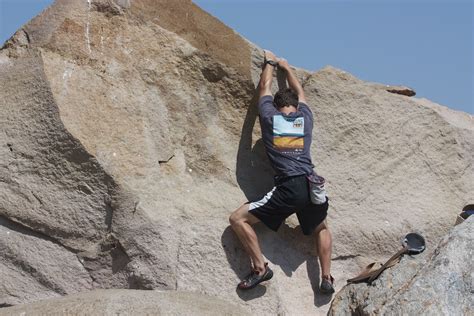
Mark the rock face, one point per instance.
(438, 284)
(129, 302)
(129, 135)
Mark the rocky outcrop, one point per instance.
(129, 302)
(441, 283)
(129, 134)
(402, 90)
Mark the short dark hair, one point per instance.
(285, 97)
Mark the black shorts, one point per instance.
(290, 195)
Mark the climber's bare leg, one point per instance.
(241, 221)
(324, 244)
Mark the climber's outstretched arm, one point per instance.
(292, 80)
(265, 84)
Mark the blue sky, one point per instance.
(424, 44)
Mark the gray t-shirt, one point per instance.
(287, 138)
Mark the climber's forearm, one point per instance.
(294, 84)
(265, 84)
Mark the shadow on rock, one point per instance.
(312, 266)
(256, 292)
(253, 170)
(288, 249)
(236, 256)
(294, 248)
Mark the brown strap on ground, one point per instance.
(365, 274)
(373, 270)
(390, 263)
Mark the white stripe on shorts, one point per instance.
(263, 201)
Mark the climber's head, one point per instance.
(285, 97)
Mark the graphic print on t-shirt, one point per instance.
(288, 133)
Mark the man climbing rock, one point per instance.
(287, 123)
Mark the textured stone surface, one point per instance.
(438, 284)
(129, 302)
(129, 133)
(27, 270)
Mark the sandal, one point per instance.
(253, 279)
(368, 271)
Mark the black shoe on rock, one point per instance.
(327, 285)
(253, 279)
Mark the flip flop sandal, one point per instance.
(467, 211)
(413, 243)
(253, 279)
(366, 273)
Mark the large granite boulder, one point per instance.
(129, 302)
(129, 134)
(440, 283)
